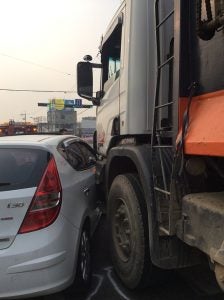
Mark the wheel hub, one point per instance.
(122, 231)
(85, 256)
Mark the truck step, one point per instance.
(164, 105)
(165, 19)
(161, 190)
(163, 231)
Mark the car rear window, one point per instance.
(21, 168)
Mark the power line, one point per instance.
(82, 111)
(35, 64)
(37, 91)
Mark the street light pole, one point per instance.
(24, 115)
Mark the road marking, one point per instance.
(97, 287)
(109, 270)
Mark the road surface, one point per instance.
(182, 285)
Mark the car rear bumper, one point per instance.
(40, 262)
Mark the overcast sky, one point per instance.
(41, 42)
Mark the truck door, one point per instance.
(111, 59)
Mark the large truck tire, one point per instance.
(128, 229)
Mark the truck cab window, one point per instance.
(110, 58)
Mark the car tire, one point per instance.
(128, 229)
(82, 280)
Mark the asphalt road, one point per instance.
(182, 285)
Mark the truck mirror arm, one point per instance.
(99, 94)
(97, 66)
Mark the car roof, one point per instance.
(36, 139)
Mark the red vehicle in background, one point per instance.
(16, 128)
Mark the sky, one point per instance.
(41, 43)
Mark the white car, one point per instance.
(48, 211)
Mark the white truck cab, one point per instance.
(162, 162)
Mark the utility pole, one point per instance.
(24, 117)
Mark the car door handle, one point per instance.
(86, 191)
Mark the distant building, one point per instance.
(58, 118)
(87, 128)
(42, 127)
(41, 123)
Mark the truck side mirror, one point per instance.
(85, 80)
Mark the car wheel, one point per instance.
(84, 271)
(128, 227)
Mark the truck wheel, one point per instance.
(128, 227)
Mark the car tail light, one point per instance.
(46, 202)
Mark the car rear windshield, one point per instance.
(21, 168)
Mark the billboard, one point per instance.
(63, 104)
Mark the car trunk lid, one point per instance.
(13, 208)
